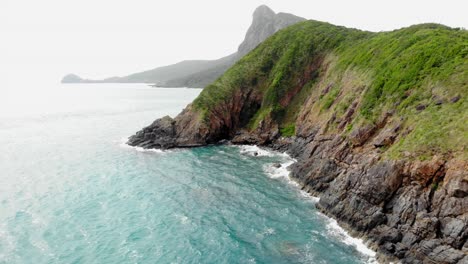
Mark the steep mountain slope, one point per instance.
(199, 73)
(377, 122)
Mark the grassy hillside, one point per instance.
(414, 72)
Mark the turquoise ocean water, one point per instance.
(72, 192)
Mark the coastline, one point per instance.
(283, 173)
(392, 204)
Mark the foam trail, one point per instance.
(282, 172)
(254, 150)
(314, 199)
(335, 230)
(279, 172)
(123, 144)
(273, 171)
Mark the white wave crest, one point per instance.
(314, 199)
(255, 151)
(338, 232)
(123, 144)
(278, 170)
(274, 171)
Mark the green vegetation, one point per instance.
(328, 99)
(405, 61)
(276, 65)
(337, 67)
(435, 186)
(437, 130)
(288, 131)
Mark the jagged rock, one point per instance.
(446, 254)
(386, 235)
(327, 89)
(388, 248)
(425, 226)
(409, 239)
(427, 246)
(400, 250)
(245, 138)
(386, 137)
(455, 230)
(421, 107)
(426, 171)
(464, 260)
(437, 100)
(361, 135)
(458, 188)
(348, 115)
(455, 99)
(160, 134)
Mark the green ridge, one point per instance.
(397, 70)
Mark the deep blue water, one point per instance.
(72, 192)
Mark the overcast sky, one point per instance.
(43, 40)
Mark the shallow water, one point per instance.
(71, 192)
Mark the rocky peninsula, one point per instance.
(376, 121)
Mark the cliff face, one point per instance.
(415, 211)
(200, 73)
(377, 122)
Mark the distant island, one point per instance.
(200, 73)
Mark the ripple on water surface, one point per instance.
(70, 192)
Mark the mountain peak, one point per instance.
(264, 24)
(263, 11)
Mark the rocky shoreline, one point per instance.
(409, 211)
(382, 145)
(413, 212)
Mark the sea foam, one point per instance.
(253, 150)
(337, 231)
(123, 143)
(276, 172)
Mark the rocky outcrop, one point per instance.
(165, 133)
(200, 73)
(413, 211)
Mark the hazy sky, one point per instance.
(43, 40)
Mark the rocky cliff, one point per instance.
(199, 73)
(377, 122)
